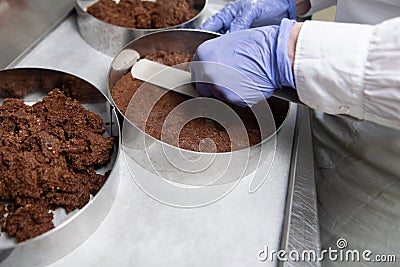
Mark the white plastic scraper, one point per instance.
(164, 76)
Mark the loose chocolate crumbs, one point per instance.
(143, 14)
(48, 155)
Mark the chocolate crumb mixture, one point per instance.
(143, 14)
(28, 221)
(48, 155)
(193, 134)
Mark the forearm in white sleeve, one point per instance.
(350, 69)
(317, 5)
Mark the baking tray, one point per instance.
(141, 231)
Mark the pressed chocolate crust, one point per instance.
(192, 134)
(143, 14)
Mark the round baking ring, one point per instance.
(32, 84)
(109, 39)
(176, 40)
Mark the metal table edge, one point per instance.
(301, 225)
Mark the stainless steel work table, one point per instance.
(139, 231)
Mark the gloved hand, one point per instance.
(244, 14)
(259, 58)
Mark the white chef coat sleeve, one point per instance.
(350, 69)
(317, 5)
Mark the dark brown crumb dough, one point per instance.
(143, 14)
(193, 134)
(28, 221)
(48, 155)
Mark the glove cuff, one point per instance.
(285, 72)
(292, 9)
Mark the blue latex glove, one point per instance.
(251, 64)
(244, 14)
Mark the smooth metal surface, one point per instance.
(139, 231)
(22, 22)
(110, 39)
(32, 84)
(302, 224)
